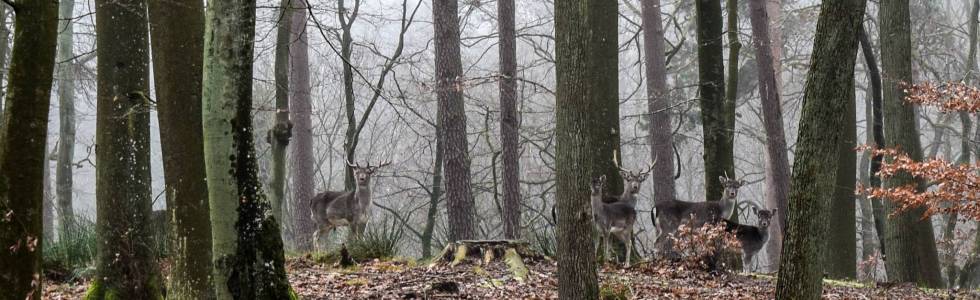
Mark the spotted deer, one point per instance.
(332, 209)
(751, 237)
(670, 214)
(615, 218)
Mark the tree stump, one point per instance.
(485, 252)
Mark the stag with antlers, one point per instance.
(332, 209)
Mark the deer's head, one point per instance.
(362, 175)
(633, 181)
(731, 186)
(765, 216)
(598, 183)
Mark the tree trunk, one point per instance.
(717, 113)
(587, 132)
(841, 262)
(124, 203)
(909, 239)
(23, 140)
(177, 31)
(777, 162)
(828, 88)
(66, 111)
(658, 103)
(449, 92)
(868, 236)
(247, 247)
(434, 197)
(301, 109)
(878, 135)
(48, 205)
(278, 136)
(508, 120)
(346, 43)
(973, 273)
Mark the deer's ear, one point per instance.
(755, 210)
(721, 178)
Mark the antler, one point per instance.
(353, 165)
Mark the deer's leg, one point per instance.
(316, 240)
(628, 241)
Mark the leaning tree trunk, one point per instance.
(23, 139)
(301, 108)
(658, 103)
(508, 120)
(587, 132)
(717, 113)
(911, 246)
(177, 31)
(66, 112)
(777, 162)
(280, 133)
(829, 85)
(841, 236)
(449, 92)
(877, 134)
(247, 247)
(124, 203)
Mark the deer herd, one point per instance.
(613, 215)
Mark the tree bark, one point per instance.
(23, 140)
(777, 162)
(815, 166)
(177, 35)
(658, 103)
(587, 132)
(247, 246)
(4, 48)
(301, 109)
(717, 112)
(124, 203)
(279, 135)
(911, 246)
(878, 135)
(449, 92)
(346, 43)
(436, 194)
(868, 236)
(66, 112)
(509, 123)
(841, 237)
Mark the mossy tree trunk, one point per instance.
(449, 92)
(587, 132)
(23, 139)
(279, 135)
(177, 30)
(828, 88)
(66, 112)
(911, 246)
(509, 123)
(840, 258)
(247, 247)
(126, 267)
(301, 108)
(717, 112)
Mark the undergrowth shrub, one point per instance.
(701, 247)
(377, 242)
(72, 256)
(543, 242)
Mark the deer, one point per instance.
(615, 218)
(332, 209)
(752, 238)
(632, 183)
(671, 214)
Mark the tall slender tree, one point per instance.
(777, 163)
(449, 92)
(301, 108)
(123, 185)
(815, 165)
(23, 138)
(247, 247)
(587, 131)
(281, 132)
(717, 113)
(972, 265)
(66, 112)
(877, 133)
(909, 241)
(658, 102)
(508, 119)
(4, 49)
(842, 232)
(177, 31)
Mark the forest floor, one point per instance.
(409, 280)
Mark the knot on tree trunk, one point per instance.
(280, 133)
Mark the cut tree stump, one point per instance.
(485, 252)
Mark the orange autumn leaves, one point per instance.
(948, 187)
